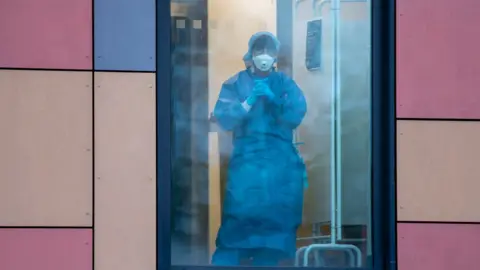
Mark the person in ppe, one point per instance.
(264, 192)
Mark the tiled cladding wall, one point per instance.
(438, 131)
(77, 165)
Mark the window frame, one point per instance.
(383, 142)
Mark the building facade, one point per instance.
(79, 95)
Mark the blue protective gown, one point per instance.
(264, 191)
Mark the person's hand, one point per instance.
(262, 89)
(251, 100)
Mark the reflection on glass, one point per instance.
(258, 179)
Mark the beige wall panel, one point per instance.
(46, 140)
(437, 171)
(125, 207)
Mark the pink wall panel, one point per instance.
(45, 249)
(438, 59)
(46, 34)
(438, 246)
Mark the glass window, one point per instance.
(271, 136)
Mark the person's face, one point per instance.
(269, 51)
(264, 45)
(264, 54)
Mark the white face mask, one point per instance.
(263, 62)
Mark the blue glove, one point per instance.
(262, 89)
(251, 100)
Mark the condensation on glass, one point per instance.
(271, 168)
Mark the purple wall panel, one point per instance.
(438, 246)
(437, 59)
(46, 34)
(45, 249)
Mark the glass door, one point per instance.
(269, 130)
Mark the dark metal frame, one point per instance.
(383, 139)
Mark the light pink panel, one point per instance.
(45, 142)
(46, 34)
(45, 249)
(438, 171)
(125, 183)
(438, 59)
(438, 246)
